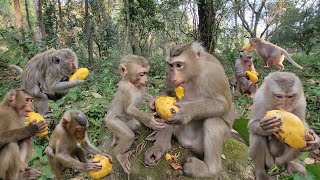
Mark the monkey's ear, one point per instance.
(65, 122)
(123, 70)
(12, 95)
(55, 60)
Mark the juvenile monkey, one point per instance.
(270, 53)
(66, 145)
(46, 76)
(279, 91)
(206, 112)
(243, 64)
(123, 115)
(15, 138)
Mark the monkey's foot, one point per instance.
(264, 176)
(295, 167)
(124, 162)
(31, 174)
(194, 167)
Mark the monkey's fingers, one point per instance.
(177, 104)
(34, 174)
(271, 126)
(311, 146)
(274, 130)
(93, 166)
(269, 121)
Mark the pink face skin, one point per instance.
(24, 111)
(80, 132)
(284, 101)
(142, 74)
(177, 67)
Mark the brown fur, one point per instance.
(206, 112)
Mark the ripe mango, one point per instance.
(81, 73)
(252, 76)
(293, 131)
(104, 171)
(165, 108)
(179, 92)
(247, 47)
(35, 116)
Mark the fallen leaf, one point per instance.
(168, 157)
(309, 161)
(176, 165)
(223, 156)
(312, 81)
(96, 95)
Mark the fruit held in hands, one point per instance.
(35, 116)
(293, 131)
(81, 73)
(252, 76)
(105, 169)
(165, 108)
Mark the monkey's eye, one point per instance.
(170, 65)
(142, 74)
(240, 56)
(290, 96)
(29, 100)
(279, 96)
(179, 65)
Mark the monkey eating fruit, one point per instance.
(81, 73)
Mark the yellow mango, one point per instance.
(164, 105)
(168, 157)
(35, 116)
(247, 47)
(81, 73)
(179, 92)
(104, 171)
(253, 76)
(293, 131)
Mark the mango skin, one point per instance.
(81, 73)
(164, 105)
(35, 116)
(247, 47)
(253, 76)
(179, 92)
(104, 171)
(293, 131)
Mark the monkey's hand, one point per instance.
(37, 127)
(151, 103)
(92, 165)
(271, 124)
(154, 154)
(312, 145)
(180, 117)
(155, 124)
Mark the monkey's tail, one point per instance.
(291, 60)
(17, 68)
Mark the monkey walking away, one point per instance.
(16, 144)
(123, 115)
(279, 91)
(66, 145)
(197, 125)
(270, 53)
(46, 76)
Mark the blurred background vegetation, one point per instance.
(102, 31)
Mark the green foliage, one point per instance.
(50, 22)
(241, 126)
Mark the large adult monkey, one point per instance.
(270, 53)
(206, 112)
(15, 138)
(46, 76)
(282, 91)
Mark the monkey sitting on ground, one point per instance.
(16, 144)
(46, 76)
(206, 112)
(280, 91)
(66, 144)
(243, 64)
(123, 115)
(270, 53)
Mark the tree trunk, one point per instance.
(18, 18)
(88, 32)
(130, 30)
(28, 20)
(41, 21)
(63, 37)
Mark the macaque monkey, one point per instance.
(16, 145)
(123, 115)
(66, 144)
(279, 91)
(206, 112)
(243, 64)
(270, 53)
(46, 76)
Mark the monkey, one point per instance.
(123, 115)
(46, 76)
(279, 91)
(206, 112)
(244, 63)
(16, 145)
(270, 53)
(66, 144)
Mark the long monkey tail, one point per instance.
(291, 60)
(17, 68)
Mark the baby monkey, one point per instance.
(66, 145)
(123, 115)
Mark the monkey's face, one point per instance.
(177, 69)
(284, 101)
(67, 66)
(246, 58)
(80, 132)
(138, 75)
(254, 42)
(22, 103)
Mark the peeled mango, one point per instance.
(247, 47)
(293, 131)
(165, 108)
(179, 92)
(81, 73)
(252, 76)
(105, 169)
(35, 116)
